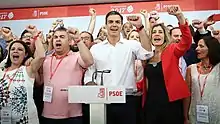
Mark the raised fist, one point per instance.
(92, 11)
(6, 33)
(60, 22)
(135, 20)
(74, 34)
(174, 10)
(154, 14)
(198, 24)
(32, 29)
(144, 13)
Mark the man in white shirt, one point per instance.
(118, 55)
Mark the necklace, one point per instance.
(204, 69)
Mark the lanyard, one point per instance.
(5, 95)
(203, 86)
(204, 83)
(51, 62)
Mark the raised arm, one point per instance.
(85, 55)
(89, 74)
(145, 40)
(39, 54)
(39, 57)
(186, 41)
(146, 21)
(201, 31)
(92, 20)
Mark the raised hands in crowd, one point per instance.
(155, 51)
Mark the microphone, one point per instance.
(102, 73)
(94, 75)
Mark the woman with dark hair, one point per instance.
(166, 87)
(28, 53)
(203, 79)
(16, 84)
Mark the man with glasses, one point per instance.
(87, 38)
(28, 38)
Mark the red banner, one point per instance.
(218, 4)
(102, 9)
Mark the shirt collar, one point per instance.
(120, 41)
(69, 53)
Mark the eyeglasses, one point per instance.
(27, 37)
(85, 38)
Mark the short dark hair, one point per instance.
(92, 39)
(152, 18)
(169, 25)
(60, 29)
(171, 30)
(113, 13)
(213, 49)
(63, 29)
(27, 51)
(24, 32)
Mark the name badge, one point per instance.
(48, 94)
(202, 113)
(6, 115)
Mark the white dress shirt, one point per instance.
(182, 67)
(119, 59)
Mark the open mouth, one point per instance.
(128, 31)
(198, 54)
(157, 39)
(177, 40)
(15, 57)
(28, 43)
(58, 45)
(114, 29)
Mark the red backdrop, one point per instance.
(102, 9)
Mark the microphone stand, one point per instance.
(94, 75)
(102, 73)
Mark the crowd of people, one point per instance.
(171, 74)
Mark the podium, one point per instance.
(97, 97)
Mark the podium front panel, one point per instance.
(116, 95)
(87, 94)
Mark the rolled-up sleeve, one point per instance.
(90, 70)
(140, 52)
(81, 62)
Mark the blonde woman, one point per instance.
(166, 86)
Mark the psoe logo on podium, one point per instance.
(101, 93)
(116, 95)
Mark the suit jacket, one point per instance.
(175, 85)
